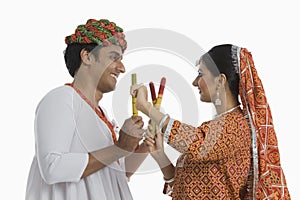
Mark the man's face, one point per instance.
(107, 67)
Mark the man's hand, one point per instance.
(130, 134)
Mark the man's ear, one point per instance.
(85, 57)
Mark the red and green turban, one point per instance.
(102, 32)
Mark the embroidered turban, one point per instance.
(102, 32)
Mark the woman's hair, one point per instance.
(72, 55)
(219, 60)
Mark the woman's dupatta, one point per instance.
(266, 178)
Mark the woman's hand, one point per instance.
(154, 143)
(141, 94)
(156, 149)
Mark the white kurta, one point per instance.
(66, 129)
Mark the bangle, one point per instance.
(162, 121)
(169, 180)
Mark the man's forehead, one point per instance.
(111, 49)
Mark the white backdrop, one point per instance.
(32, 43)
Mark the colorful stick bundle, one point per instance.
(157, 101)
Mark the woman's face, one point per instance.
(206, 84)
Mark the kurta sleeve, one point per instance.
(213, 140)
(54, 132)
(181, 136)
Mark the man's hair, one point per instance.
(72, 55)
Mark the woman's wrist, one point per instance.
(146, 108)
(143, 148)
(161, 158)
(158, 154)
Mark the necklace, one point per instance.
(97, 109)
(227, 111)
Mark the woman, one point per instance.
(233, 156)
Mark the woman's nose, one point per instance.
(195, 82)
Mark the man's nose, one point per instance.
(121, 67)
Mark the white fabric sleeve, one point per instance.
(168, 130)
(54, 132)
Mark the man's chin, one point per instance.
(109, 89)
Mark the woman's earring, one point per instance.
(218, 101)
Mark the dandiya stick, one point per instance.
(134, 110)
(152, 90)
(160, 93)
(159, 100)
(153, 96)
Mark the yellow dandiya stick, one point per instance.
(134, 110)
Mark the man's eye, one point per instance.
(114, 58)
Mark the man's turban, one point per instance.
(102, 32)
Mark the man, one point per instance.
(78, 155)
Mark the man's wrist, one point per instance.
(120, 150)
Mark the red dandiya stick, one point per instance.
(153, 96)
(162, 86)
(152, 90)
(160, 92)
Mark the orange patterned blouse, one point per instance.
(215, 160)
